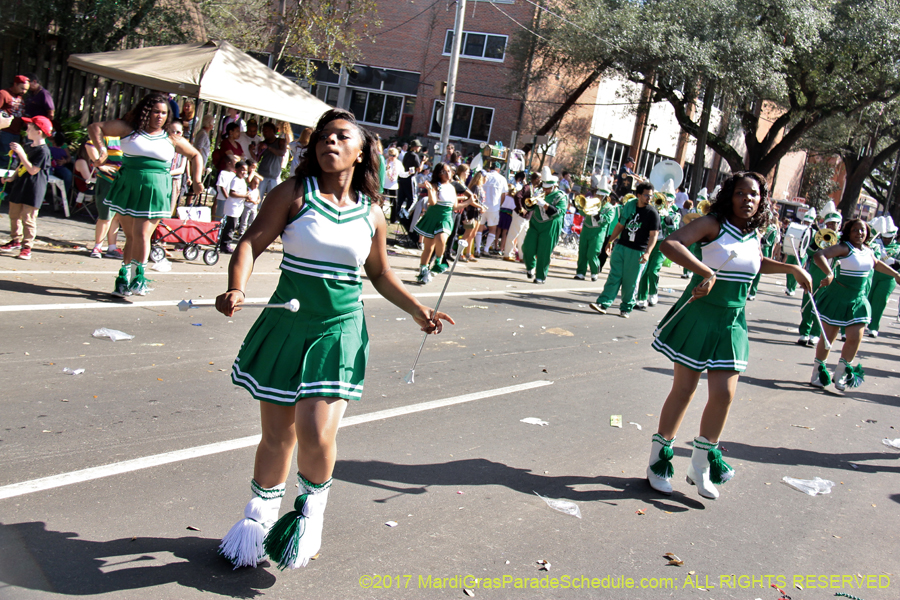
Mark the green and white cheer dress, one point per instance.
(143, 187)
(844, 301)
(711, 332)
(322, 349)
(438, 218)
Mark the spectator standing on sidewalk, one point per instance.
(106, 174)
(29, 185)
(202, 141)
(38, 102)
(406, 192)
(12, 102)
(272, 150)
(234, 206)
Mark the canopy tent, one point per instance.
(215, 71)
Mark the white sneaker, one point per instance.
(579, 276)
(598, 307)
(624, 315)
(529, 274)
(790, 292)
(654, 300)
(751, 298)
(593, 278)
(813, 341)
(539, 281)
(803, 341)
(871, 333)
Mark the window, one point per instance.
(327, 93)
(478, 45)
(469, 122)
(376, 108)
(606, 154)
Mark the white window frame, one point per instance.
(327, 85)
(463, 139)
(469, 56)
(368, 91)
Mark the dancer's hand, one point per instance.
(703, 288)
(826, 281)
(229, 302)
(430, 322)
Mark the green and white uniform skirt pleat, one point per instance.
(844, 302)
(437, 219)
(143, 189)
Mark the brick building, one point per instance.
(397, 89)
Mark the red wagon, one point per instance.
(192, 235)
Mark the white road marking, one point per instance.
(127, 466)
(161, 303)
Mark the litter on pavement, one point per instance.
(892, 443)
(534, 421)
(69, 371)
(811, 487)
(563, 506)
(113, 334)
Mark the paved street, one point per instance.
(460, 479)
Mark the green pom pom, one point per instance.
(282, 543)
(855, 376)
(824, 375)
(663, 467)
(719, 470)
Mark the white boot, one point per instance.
(243, 544)
(707, 468)
(297, 536)
(820, 375)
(660, 471)
(839, 377)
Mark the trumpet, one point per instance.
(826, 238)
(532, 201)
(659, 201)
(588, 206)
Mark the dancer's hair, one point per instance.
(365, 179)
(436, 173)
(722, 206)
(845, 230)
(139, 115)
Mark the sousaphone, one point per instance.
(665, 170)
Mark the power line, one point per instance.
(409, 20)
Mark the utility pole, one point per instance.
(451, 75)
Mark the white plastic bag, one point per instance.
(69, 371)
(113, 334)
(533, 421)
(163, 266)
(563, 506)
(810, 486)
(892, 443)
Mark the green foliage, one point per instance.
(818, 183)
(811, 58)
(328, 30)
(105, 25)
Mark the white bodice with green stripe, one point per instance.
(325, 248)
(859, 263)
(733, 281)
(144, 145)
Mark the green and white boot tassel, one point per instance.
(660, 471)
(121, 286)
(820, 375)
(243, 544)
(846, 375)
(297, 536)
(707, 468)
(139, 285)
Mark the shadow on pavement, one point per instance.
(480, 471)
(798, 457)
(33, 557)
(22, 287)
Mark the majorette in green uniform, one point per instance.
(543, 228)
(597, 216)
(768, 239)
(809, 325)
(706, 329)
(844, 303)
(887, 250)
(808, 220)
(306, 365)
(669, 221)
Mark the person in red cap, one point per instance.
(29, 185)
(12, 102)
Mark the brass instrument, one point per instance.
(532, 201)
(659, 201)
(826, 238)
(588, 206)
(703, 207)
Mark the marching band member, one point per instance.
(593, 232)
(844, 302)
(637, 231)
(670, 219)
(887, 251)
(808, 220)
(769, 237)
(809, 325)
(710, 333)
(304, 367)
(543, 230)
